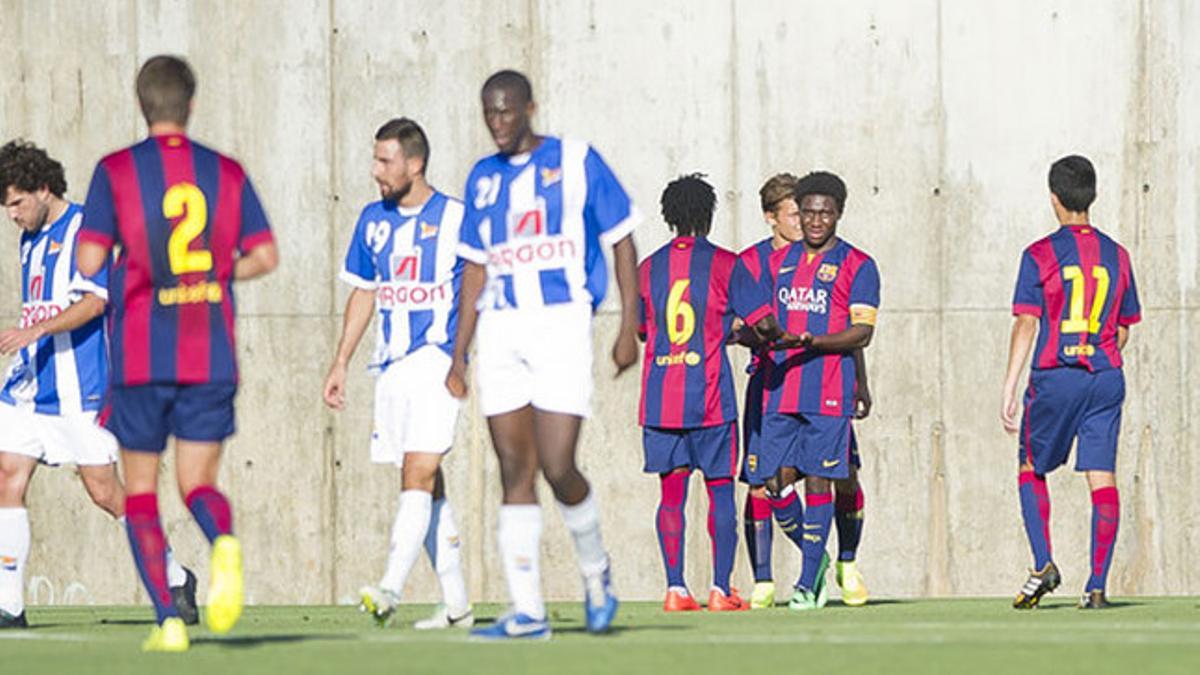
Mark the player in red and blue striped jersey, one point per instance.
(690, 291)
(826, 295)
(188, 223)
(782, 213)
(1076, 293)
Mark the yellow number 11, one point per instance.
(1076, 323)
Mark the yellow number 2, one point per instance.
(186, 201)
(681, 318)
(1077, 323)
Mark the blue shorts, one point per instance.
(712, 450)
(814, 445)
(141, 417)
(1068, 404)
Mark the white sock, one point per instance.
(583, 521)
(408, 534)
(175, 574)
(443, 547)
(520, 537)
(14, 551)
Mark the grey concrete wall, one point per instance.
(942, 116)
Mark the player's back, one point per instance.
(686, 377)
(1080, 284)
(181, 213)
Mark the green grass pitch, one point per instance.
(1139, 636)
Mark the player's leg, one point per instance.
(848, 516)
(776, 465)
(666, 456)
(15, 472)
(714, 451)
(409, 529)
(444, 549)
(557, 439)
(1097, 456)
(758, 528)
(824, 457)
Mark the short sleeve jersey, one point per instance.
(690, 290)
(821, 294)
(407, 257)
(1080, 285)
(540, 224)
(181, 214)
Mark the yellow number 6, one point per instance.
(681, 318)
(186, 200)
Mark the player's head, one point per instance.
(30, 182)
(508, 109)
(821, 197)
(165, 86)
(401, 155)
(782, 213)
(688, 203)
(1072, 184)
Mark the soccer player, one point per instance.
(402, 262)
(690, 291)
(827, 296)
(54, 385)
(538, 214)
(188, 223)
(1075, 293)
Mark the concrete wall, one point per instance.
(942, 116)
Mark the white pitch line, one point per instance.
(48, 637)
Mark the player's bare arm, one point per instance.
(1020, 344)
(1122, 337)
(90, 257)
(473, 278)
(258, 261)
(359, 308)
(624, 353)
(862, 392)
(79, 313)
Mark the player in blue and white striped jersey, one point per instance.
(54, 386)
(403, 267)
(539, 215)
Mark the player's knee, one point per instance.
(13, 482)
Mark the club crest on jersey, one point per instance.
(428, 230)
(54, 248)
(406, 266)
(550, 176)
(827, 272)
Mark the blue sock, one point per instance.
(848, 513)
(818, 519)
(789, 514)
(1035, 510)
(760, 534)
(722, 529)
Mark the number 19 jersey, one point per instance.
(690, 291)
(1079, 283)
(181, 214)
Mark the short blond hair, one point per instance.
(779, 187)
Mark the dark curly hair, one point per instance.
(26, 167)
(688, 203)
(822, 183)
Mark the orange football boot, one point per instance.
(680, 602)
(719, 602)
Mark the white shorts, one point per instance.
(540, 357)
(56, 439)
(413, 410)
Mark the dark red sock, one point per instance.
(211, 510)
(149, 548)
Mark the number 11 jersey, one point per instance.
(182, 214)
(1079, 283)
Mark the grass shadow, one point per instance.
(246, 641)
(127, 622)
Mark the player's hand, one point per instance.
(334, 392)
(1008, 413)
(862, 402)
(625, 349)
(16, 339)
(456, 379)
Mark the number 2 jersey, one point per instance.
(407, 256)
(65, 373)
(1079, 283)
(181, 214)
(690, 290)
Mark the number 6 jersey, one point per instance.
(1079, 283)
(182, 214)
(690, 291)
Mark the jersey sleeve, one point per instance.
(256, 230)
(475, 226)
(608, 211)
(1028, 297)
(1130, 311)
(643, 298)
(749, 297)
(864, 294)
(99, 214)
(359, 269)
